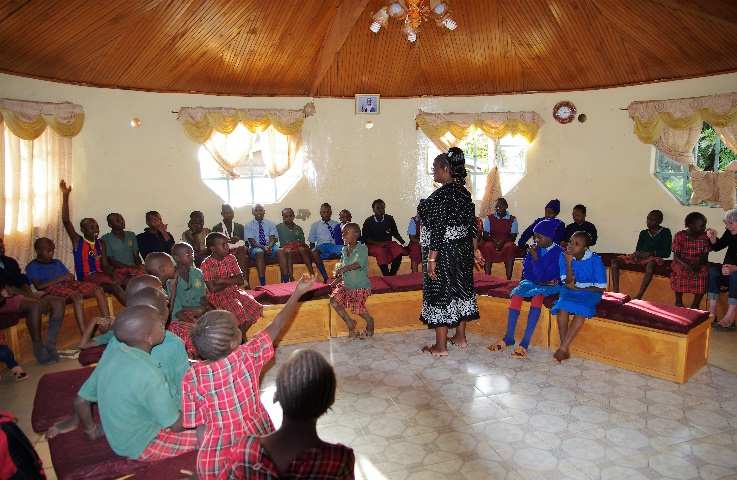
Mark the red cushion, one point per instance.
(378, 285)
(257, 295)
(660, 316)
(55, 395)
(611, 303)
(88, 356)
(75, 457)
(279, 293)
(405, 283)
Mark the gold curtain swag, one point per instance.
(28, 120)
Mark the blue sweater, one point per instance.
(546, 267)
(560, 232)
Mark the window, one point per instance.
(235, 166)
(508, 154)
(710, 154)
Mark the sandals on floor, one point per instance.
(499, 346)
(519, 352)
(20, 376)
(722, 328)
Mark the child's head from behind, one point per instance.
(326, 211)
(579, 213)
(115, 221)
(501, 206)
(578, 244)
(136, 284)
(654, 219)
(695, 222)
(552, 209)
(305, 386)
(161, 265)
(287, 216)
(216, 334)
(44, 248)
(218, 244)
(351, 232)
(183, 254)
(139, 326)
(345, 216)
(152, 297)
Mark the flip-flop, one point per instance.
(19, 377)
(497, 347)
(519, 352)
(462, 347)
(427, 349)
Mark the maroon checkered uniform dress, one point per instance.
(233, 299)
(690, 249)
(249, 461)
(224, 396)
(69, 288)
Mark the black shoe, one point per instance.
(41, 354)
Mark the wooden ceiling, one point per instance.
(324, 47)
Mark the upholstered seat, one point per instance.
(55, 396)
(279, 293)
(405, 283)
(88, 356)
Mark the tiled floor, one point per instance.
(478, 415)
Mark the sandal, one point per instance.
(428, 349)
(718, 326)
(519, 352)
(20, 375)
(499, 346)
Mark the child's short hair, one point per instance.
(693, 217)
(502, 200)
(151, 213)
(581, 208)
(326, 204)
(136, 284)
(179, 246)
(40, 241)
(212, 236)
(353, 226)
(378, 200)
(152, 297)
(658, 214)
(111, 215)
(212, 334)
(154, 260)
(287, 208)
(196, 214)
(583, 235)
(305, 385)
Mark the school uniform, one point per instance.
(351, 293)
(42, 272)
(124, 251)
(184, 295)
(559, 236)
(500, 229)
(291, 238)
(236, 230)
(153, 241)
(381, 231)
(587, 227)
(322, 235)
(249, 460)
(414, 249)
(338, 233)
(198, 243)
(233, 299)
(689, 249)
(224, 396)
(589, 271)
(261, 233)
(658, 245)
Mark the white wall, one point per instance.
(599, 163)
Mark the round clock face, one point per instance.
(564, 112)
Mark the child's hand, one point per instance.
(66, 189)
(305, 284)
(711, 234)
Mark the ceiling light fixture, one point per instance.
(413, 13)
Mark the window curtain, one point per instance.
(446, 130)
(674, 126)
(200, 123)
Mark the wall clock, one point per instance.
(564, 112)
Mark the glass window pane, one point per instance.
(264, 190)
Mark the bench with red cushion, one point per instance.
(75, 457)
(660, 270)
(89, 356)
(55, 396)
(379, 286)
(659, 316)
(611, 303)
(257, 295)
(279, 293)
(409, 282)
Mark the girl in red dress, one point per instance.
(690, 267)
(500, 232)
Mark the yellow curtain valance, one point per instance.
(28, 120)
(653, 117)
(494, 125)
(199, 122)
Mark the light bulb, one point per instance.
(135, 122)
(396, 9)
(379, 20)
(412, 36)
(449, 23)
(440, 8)
(375, 26)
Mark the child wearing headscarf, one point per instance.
(540, 278)
(552, 209)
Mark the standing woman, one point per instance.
(449, 250)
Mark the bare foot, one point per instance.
(369, 329)
(67, 424)
(459, 342)
(561, 355)
(354, 334)
(435, 351)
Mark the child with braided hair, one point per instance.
(305, 389)
(220, 395)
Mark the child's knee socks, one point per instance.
(532, 317)
(514, 307)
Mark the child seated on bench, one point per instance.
(499, 232)
(690, 267)
(584, 280)
(292, 240)
(220, 395)
(305, 389)
(353, 286)
(53, 278)
(653, 246)
(540, 278)
(224, 278)
(6, 354)
(187, 293)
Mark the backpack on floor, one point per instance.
(18, 458)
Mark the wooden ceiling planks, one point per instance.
(261, 47)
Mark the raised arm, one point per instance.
(68, 226)
(287, 313)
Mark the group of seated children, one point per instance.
(154, 405)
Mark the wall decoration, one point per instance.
(367, 103)
(582, 118)
(564, 112)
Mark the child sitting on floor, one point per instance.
(540, 278)
(224, 278)
(220, 395)
(292, 240)
(414, 250)
(353, 286)
(690, 266)
(52, 277)
(6, 354)
(584, 279)
(187, 293)
(305, 389)
(653, 245)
